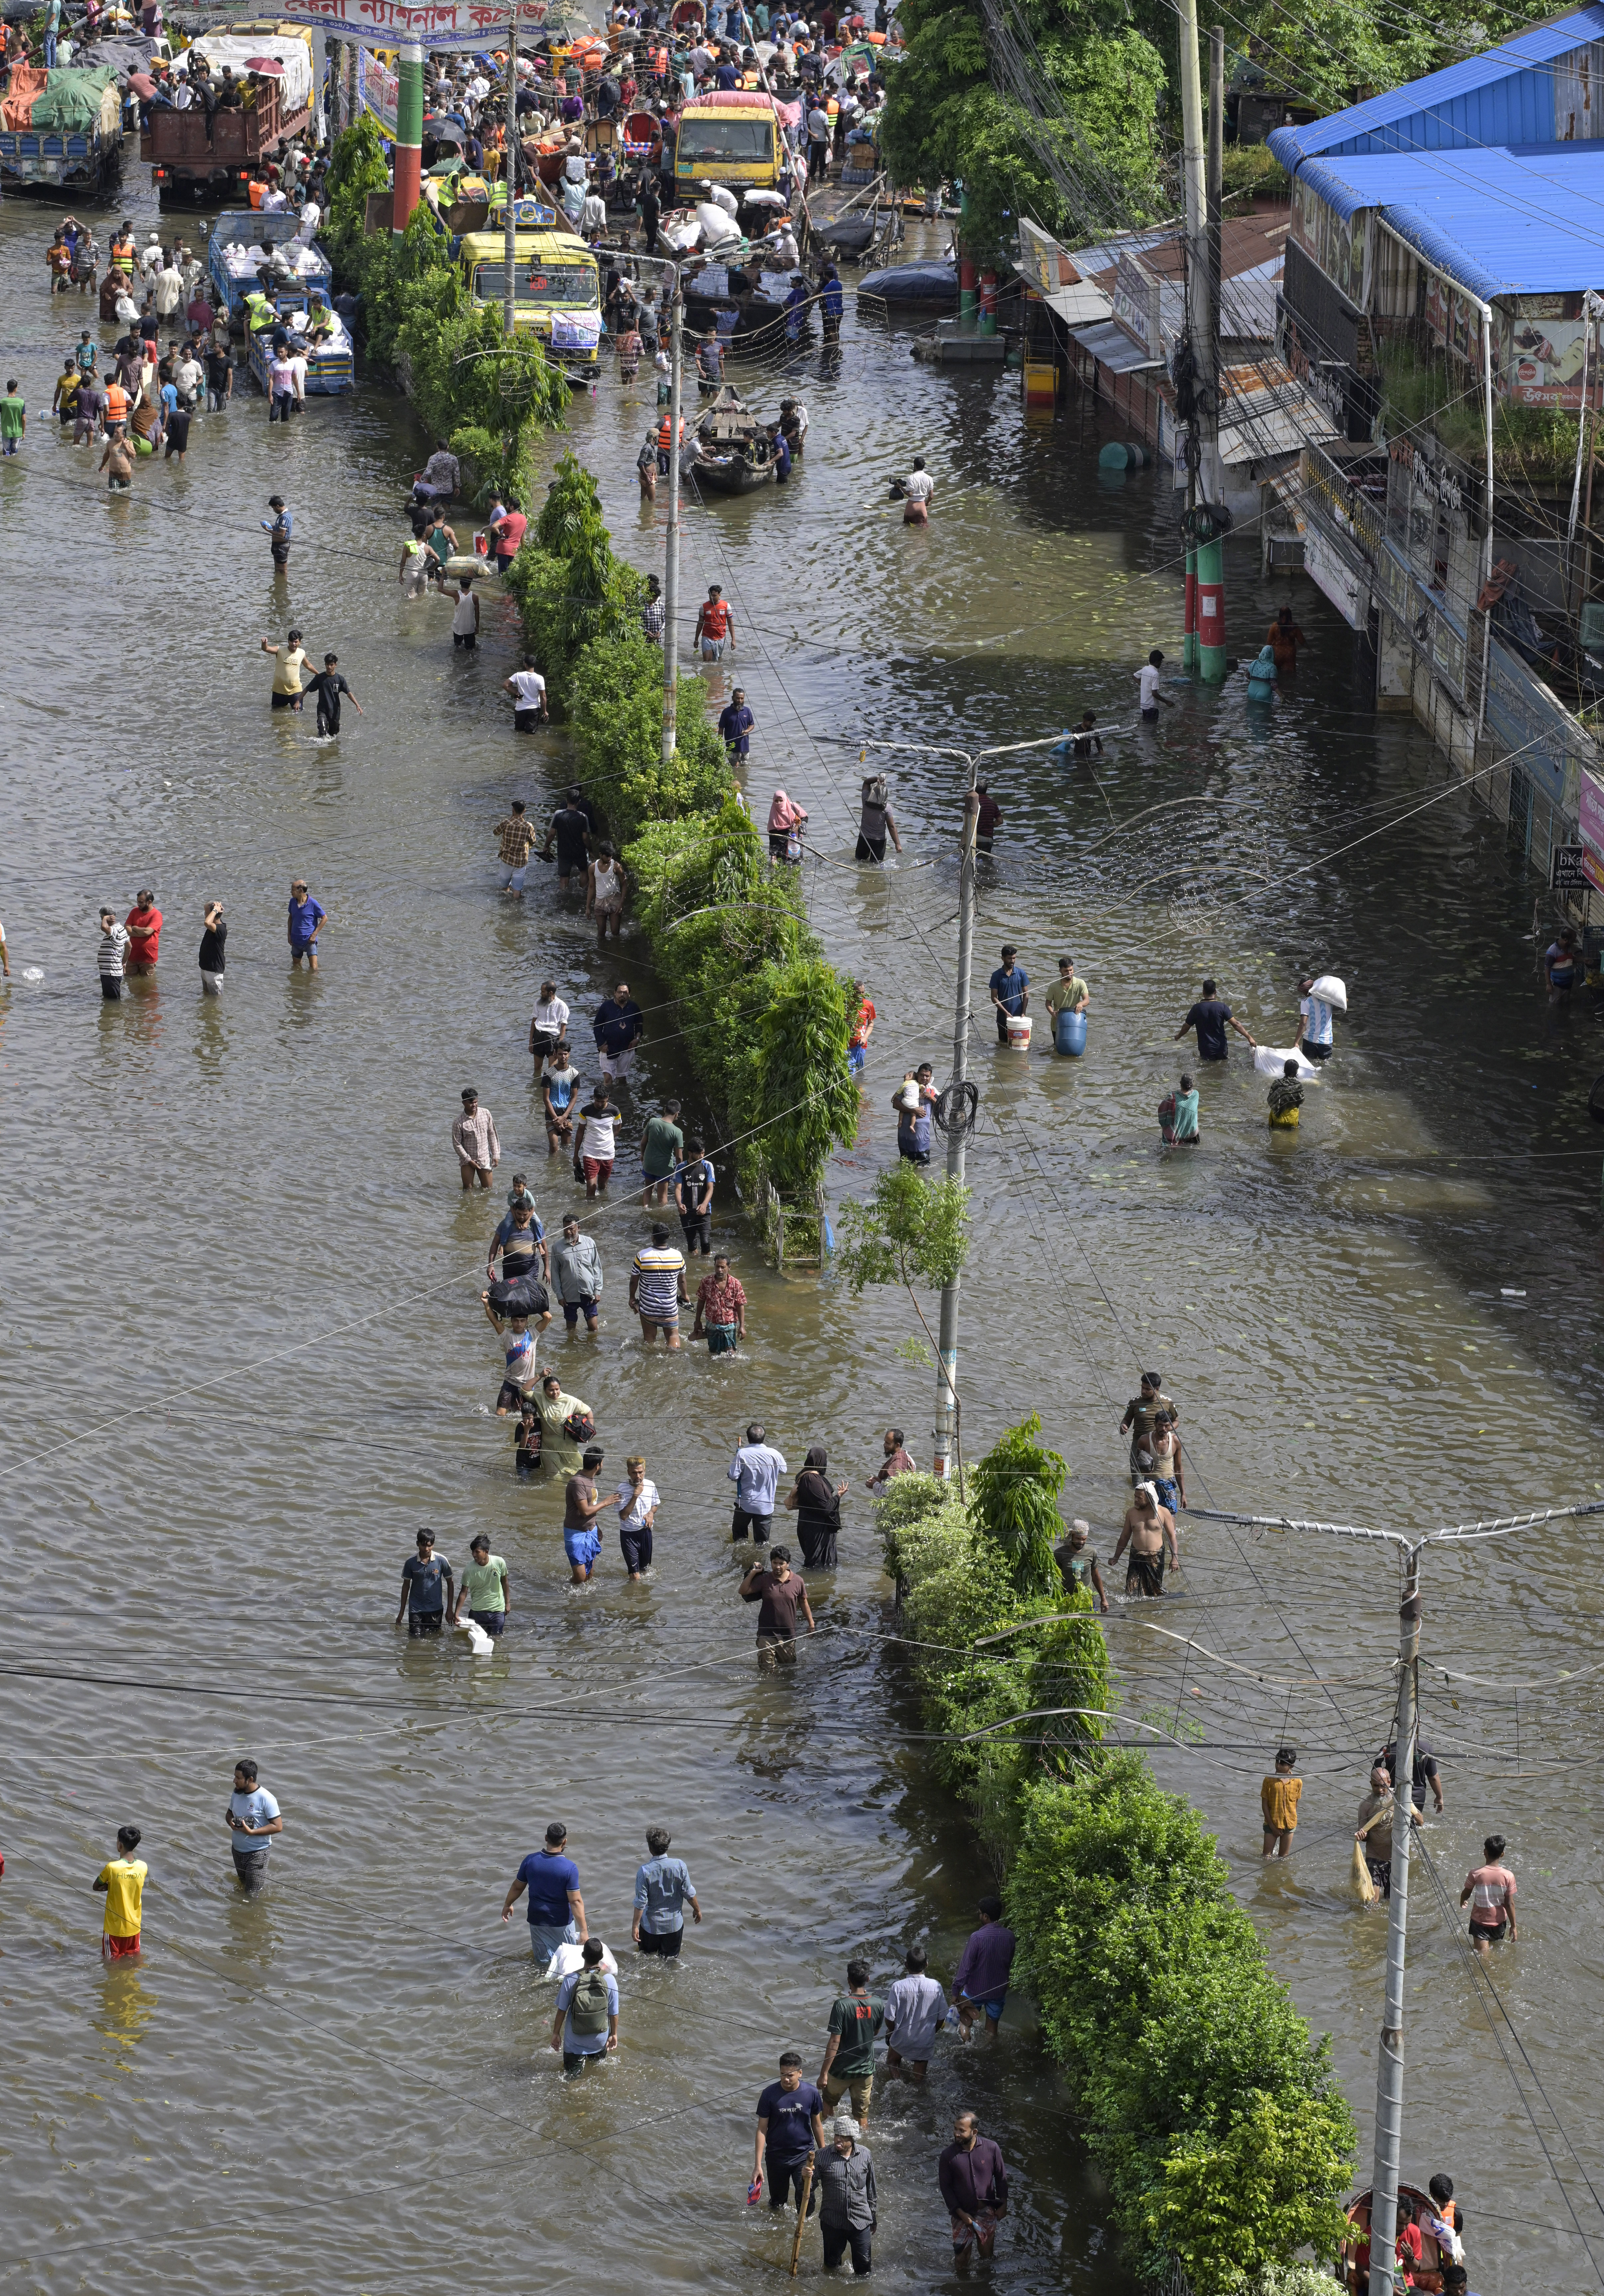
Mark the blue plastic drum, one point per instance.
(1070, 1035)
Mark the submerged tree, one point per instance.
(1016, 1504)
(911, 1231)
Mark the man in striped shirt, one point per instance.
(113, 948)
(654, 613)
(657, 1287)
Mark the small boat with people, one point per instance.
(735, 454)
(1417, 2210)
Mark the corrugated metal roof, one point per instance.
(1113, 349)
(1503, 96)
(1501, 223)
(1264, 413)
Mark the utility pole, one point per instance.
(946, 1375)
(1389, 2057)
(1389, 2071)
(671, 586)
(510, 244)
(1205, 571)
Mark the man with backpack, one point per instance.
(849, 2058)
(586, 2023)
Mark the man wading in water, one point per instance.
(1149, 1530)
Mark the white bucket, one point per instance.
(1019, 1032)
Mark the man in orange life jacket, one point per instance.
(714, 625)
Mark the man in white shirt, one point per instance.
(1148, 679)
(273, 202)
(916, 2010)
(1315, 1015)
(527, 690)
(547, 1021)
(755, 1471)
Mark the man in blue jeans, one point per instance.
(1009, 985)
(557, 1911)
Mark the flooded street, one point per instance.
(244, 1358)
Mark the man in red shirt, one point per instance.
(143, 923)
(506, 536)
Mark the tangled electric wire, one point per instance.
(957, 1109)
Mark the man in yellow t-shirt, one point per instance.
(123, 1881)
(1279, 1799)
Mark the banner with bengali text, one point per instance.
(445, 24)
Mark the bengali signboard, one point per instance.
(1135, 305)
(1567, 869)
(1541, 350)
(1338, 244)
(394, 24)
(1590, 810)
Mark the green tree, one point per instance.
(911, 1230)
(947, 117)
(1016, 1502)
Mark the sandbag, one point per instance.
(521, 1295)
(567, 1958)
(1270, 1063)
(1362, 1875)
(1331, 991)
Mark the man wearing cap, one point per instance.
(844, 2173)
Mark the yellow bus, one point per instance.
(557, 291)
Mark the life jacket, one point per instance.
(590, 2008)
(117, 403)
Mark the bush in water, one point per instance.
(1213, 2115)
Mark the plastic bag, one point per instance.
(1270, 1063)
(567, 1958)
(481, 1644)
(1330, 990)
(521, 1295)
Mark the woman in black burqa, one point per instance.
(817, 1503)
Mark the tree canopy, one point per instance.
(1095, 165)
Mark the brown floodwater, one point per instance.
(244, 1358)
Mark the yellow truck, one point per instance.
(557, 292)
(730, 136)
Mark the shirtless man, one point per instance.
(1149, 1530)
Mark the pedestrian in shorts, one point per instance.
(427, 1589)
(253, 1819)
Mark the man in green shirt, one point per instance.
(484, 1589)
(662, 1152)
(1069, 992)
(848, 2056)
(13, 418)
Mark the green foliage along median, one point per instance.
(761, 1015)
(490, 398)
(1214, 2116)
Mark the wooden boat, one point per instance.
(1429, 2277)
(736, 457)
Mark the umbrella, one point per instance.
(443, 130)
(269, 65)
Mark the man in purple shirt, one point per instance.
(975, 2186)
(982, 1981)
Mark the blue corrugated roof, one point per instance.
(1501, 223)
(1503, 96)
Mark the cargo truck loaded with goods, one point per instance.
(61, 130)
(195, 163)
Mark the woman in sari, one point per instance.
(816, 1503)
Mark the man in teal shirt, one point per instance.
(661, 1150)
